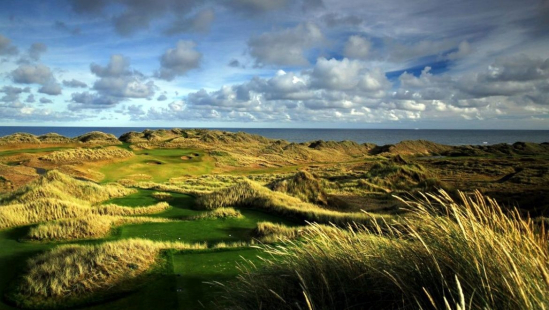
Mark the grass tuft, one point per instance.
(462, 254)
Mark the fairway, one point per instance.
(158, 165)
(194, 271)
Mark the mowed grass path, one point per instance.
(160, 164)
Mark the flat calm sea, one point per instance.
(377, 136)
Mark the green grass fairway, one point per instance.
(160, 164)
(193, 269)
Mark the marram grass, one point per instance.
(71, 274)
(466, 254)
(251, 194)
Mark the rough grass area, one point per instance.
(56, 196)
(221, 213)
(57, 185)
(252, 195)
(465, 254)
(302, 185)
(86, 155)
(88, 227)
(72, 274)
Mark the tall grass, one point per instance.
(448, 254)
(302, 185)
(86, 155)
(49, 209)
(221, 213)
(88, 227)
(70, 274)
(55, 184)
(252, 195)
(268, 232)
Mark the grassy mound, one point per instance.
(89, 227)
(56, 196)
(466, 254)
(250, 194)
(220, 213)
(98, 137)
(302, 185)
(397, 174)
(57, 185)
(269, 232)
(19, 138)
(86, 155)
(74, 274)
(50, 209)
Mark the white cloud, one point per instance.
(30, 74)
(286, 47)
(179, 60)
(357, 47)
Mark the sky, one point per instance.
(427, 64)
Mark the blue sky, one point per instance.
(275, 63)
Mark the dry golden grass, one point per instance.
(87, 227)
(268, 232)
(220, 213)
(56, 185)
(302, 185)
(252, 195)
(86, 155)
(162, 196)
(113, 209)
(72, 273)
(448, 254)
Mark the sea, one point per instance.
(376, 136)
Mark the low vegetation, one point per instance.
(162, 196)
(220, 213)
(302, 185)
(87, 227)
(250, 194)
(86, 155)
(464, 255)
(319, 222)
(57, 185)
(72, 274)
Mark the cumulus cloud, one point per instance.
(117, 79)
(352, 91)
(30, 99)
(357, 47)
(36, 50)
(179, 60)
(12, 93)
(32, 74)
(6, 48)
(74, 83)
(463, 49)
(51, 88)
(86, 100)
(45, 100)
(286, 47)
(200, 22)
(162, 98)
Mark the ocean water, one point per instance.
(376, 136)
